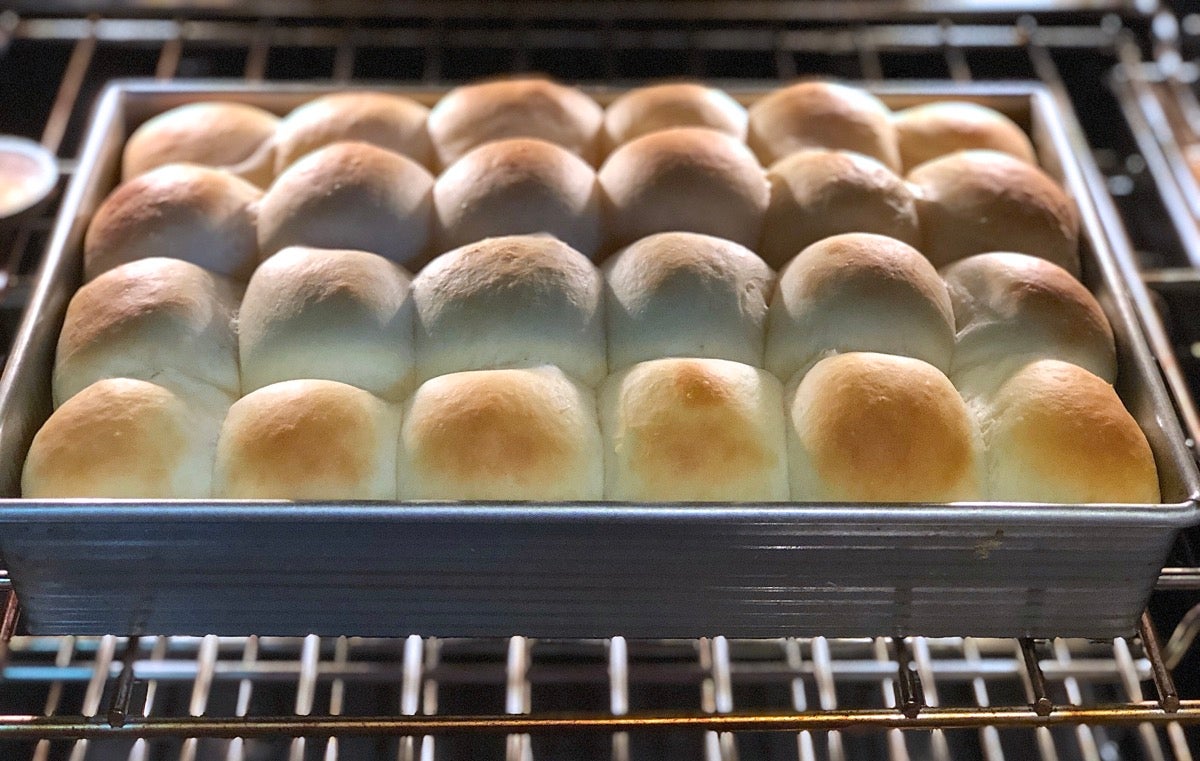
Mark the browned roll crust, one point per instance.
(308, 439)
(936, 129)
(519, 186)
(203, 216)
(867, 427)
(124, 438)
(678, 104)
(214, 134)
(1056, 433)
(686, 179)
(350, 196)
(475, 114)
(972, 202)
(818, 193)
(822, 115)
(684, 429)
(392, 122)
(523, 434)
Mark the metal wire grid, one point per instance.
(168, 688)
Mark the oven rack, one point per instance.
(89, 698)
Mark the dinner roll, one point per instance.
(475, 114)
(516, 434)
(204, 216)
(972, 202)
(818, 193)
(678, 104)
(157, 319)
(338, 315)
(866, 427)
(822, 115)
(504, 302)
(858, 292)
(122, 438)
(682, 429)
(215, 134)
(308, 439)
(686, 295)
(1056, 433)
(350, 196)
(935, 129)
(388, 121)
(516, 186)
(1011, 309)
(685, 179)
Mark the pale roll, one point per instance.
(818, 193)
(126, 439)
(335, 315)
(514, 434)
(476, 114)
(1056, 433)
(822, 115)
(350, 196)
(693, 430)
(203, 216)
(308, 439)
(866, 427)
(972, 202)
(511, 301)
(936, 129)
(686, 179)
(156, 319)
(392, 122)
(519, 186)
(858, 292)
(686, 295)
(1011, 309)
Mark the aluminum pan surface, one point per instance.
(988, 568)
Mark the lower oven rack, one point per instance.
(87, 698)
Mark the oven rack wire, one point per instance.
(296, 698)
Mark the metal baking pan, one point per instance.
(586, 569)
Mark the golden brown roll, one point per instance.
(515, 434)
(687, 179)
(936, 129)
(203, 216)
(126, 439)
(818, 193)
(337, 315)
(678, 104)
(519, 186)
(686, 295)
(511, 301)
(214, 134)
(392, 122)
(866, 427)
(858, 292)
(308, 439)
(1056, 433)
(476, 114)
(691, 430)
(161, 320)
(822, 115)
(972, 202)
(1011, 309)
(350, 196)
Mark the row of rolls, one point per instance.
(684, 369)
(356, 170)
